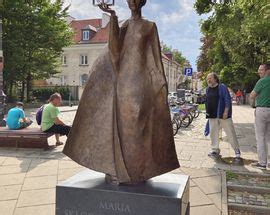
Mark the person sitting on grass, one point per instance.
(51, 122)
(16, 118)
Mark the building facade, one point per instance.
(173, 71)
(91, 36)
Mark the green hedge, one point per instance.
(44, 94)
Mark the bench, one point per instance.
(24, 138)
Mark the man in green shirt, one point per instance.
(261, 95)
(51, 122)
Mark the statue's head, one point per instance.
(136, 4)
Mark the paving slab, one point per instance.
(64, 174)
(36, 210)
(43, 182)
(11, 161)
(13, 169)
(184, 156)
(42, 171)
(205, 210)
(43, 162)
(197, 197)
(63, 164)
(199, 173)
(7, 207)
(10, 192)
(12, 179)
(216, 198)
(36, 197)
(2, 159)
(209, 185)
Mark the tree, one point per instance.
(177, 55)
(34, 34)
(240, 37)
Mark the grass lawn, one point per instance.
(201, 107)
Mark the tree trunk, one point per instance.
(23, 91)
(28, 88)
(10, 88)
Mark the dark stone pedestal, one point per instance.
(87, 194)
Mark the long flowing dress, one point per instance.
(122, 126)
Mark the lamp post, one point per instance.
(108, 2)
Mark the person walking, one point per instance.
(219, 113)
(50, 122)
(239, 96)
(261, 96)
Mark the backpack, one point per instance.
(39, 115)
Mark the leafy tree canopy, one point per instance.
(236, 39)
(34, 34)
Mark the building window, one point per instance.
(83, 60)
(85, 35)
(64, 60)
(83, 79)
(64, 80)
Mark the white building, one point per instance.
(91, 36)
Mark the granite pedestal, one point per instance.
(87, 193)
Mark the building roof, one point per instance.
(101, 35)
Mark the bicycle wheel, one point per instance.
(197, 114)
(190, 114)
(185, 121)
(175, 127)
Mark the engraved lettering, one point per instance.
(77, 212)
(115, 206)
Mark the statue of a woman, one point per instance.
(122, 127)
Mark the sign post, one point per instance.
(188, 71)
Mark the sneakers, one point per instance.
(259, 166)
(213, 154)
(237, 153)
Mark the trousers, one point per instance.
(227, 124)
(59, 129)
(262, 131)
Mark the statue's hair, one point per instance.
(143, 2)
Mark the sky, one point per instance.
(177, 21)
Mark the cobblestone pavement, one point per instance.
(28, 177)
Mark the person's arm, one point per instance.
(255, 93)
(22, 116)
(252, 98)
(54, 114)
(228, 102)
(59, 121)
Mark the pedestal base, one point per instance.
(87, 193)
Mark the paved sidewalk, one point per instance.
(28, 177)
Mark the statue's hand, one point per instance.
(104, 7)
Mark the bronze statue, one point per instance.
(122, 127)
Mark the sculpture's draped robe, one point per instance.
(123, 126)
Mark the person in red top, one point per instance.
(239, 96)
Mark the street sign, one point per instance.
(188, 71)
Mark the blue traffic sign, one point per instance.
(188, 71)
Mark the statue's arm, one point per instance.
(114, 43)
(156, 49)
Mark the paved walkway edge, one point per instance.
(224, 200)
